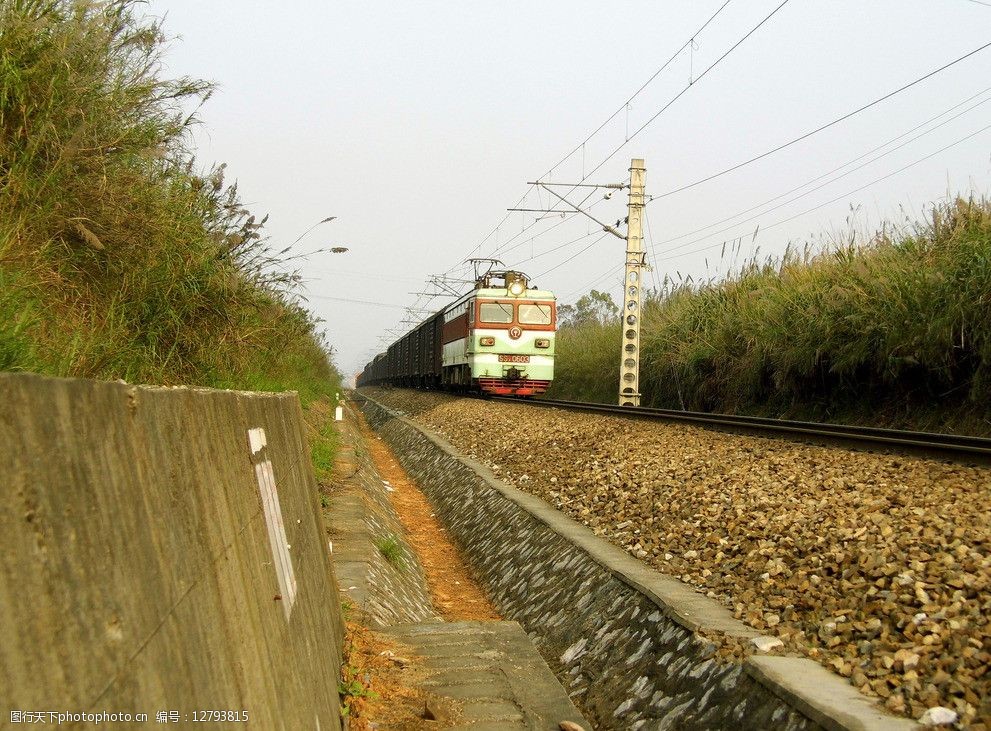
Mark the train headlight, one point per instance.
(487, 340)
(517, 288)
(542, 343)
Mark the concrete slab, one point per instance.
(471, 691)
(822, 695)
(491, 726)
(490, 671)
(493, 671)
(489, 710)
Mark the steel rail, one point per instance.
(946, 446)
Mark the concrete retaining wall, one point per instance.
(138, 566)
(623, 638)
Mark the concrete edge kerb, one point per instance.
(809, 687)
(136, 388)
(681, 603)
(803, 683)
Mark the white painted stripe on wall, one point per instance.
(265, 476)
(256, 439)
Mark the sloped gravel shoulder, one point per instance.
(878, 566)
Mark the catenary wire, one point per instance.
(600, 277)
(662, 110)
(573, 257)
(820, 177)
(580, 146)
(681, 93)
(808, 192)
(598, 129)
(362, 302)
(833, 200)
(556, 248)
(501, 248)
(822, 127)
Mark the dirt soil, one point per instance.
(456, 595)
(381, 680)
(382, 683)
(878, 566)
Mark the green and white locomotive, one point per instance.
(497, 339)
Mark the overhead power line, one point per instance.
(823, 127)
(580, 146)
(585, 176)
(573, 257)
(681, 93)
(810, 182)
(826, 175)
(363, 302)
(608, 119)
(502, 248)
(556, 248)
(637, 93)
(833, 200)
(662, 110)
(581, 290)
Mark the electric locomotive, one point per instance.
(496, 339)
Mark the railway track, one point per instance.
(958, 448)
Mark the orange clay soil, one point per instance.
(381, 683)
(456, 595)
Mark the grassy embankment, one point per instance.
(117, 258)
(895, 329)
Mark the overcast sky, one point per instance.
(418, 123)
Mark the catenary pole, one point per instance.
(636, 265)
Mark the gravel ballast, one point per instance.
(877, 566)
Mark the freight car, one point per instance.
(497, 339)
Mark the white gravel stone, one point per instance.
(938, 716)
(766, 643)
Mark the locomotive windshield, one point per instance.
(496, 312)
(535, 314)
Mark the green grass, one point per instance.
(347, 610)
(323, 447)
(586, 365)
(118, 257)
(390, 547)
(893, 327)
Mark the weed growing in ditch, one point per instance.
(390, 547)
(353, 688)
(323, 447)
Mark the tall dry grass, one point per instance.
(117, 259)
(894, 328)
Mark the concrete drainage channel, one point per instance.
(626, 641)
(486, 674)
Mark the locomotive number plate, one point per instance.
(514, 358)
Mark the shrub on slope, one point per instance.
(117, 260)
(898, 323)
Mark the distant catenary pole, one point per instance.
(636, 265)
